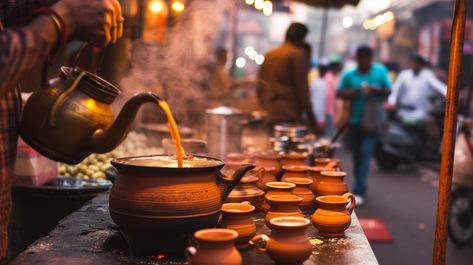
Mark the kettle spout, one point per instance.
(227, 183)
(106, 140)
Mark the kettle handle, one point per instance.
(62, 98)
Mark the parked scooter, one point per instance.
(400, 143)
(460, 221)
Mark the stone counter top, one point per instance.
(88, 236)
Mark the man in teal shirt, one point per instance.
(367, 81)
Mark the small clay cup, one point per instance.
(237, 217)
(322, 162)
(283, 205)
(333, 215)
(247, 191)
(300, 171)
(277, 188)
(332, 183)
(267, 175)
(268, 160)
(288, 243)
(215, 244)
(302, 190)
(315, 174)
(293, 159)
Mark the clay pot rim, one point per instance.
(332, 199)
(294, 156)
(249, 208)
(290, 221)
(318, 169)
(280, 185)
(284, 198)
(300, 181)
(216, 234)
(333, 173)
(120, 164)
(295, 168)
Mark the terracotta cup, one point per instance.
(332, 183)
(293, 159)
(322, 162)
(267, 175)
(315, 174)
(268, 160)
(288, 243)
(237, 217)
(333, 215)
(215, 244)
(283, 205)
(277, 188)
(300, 171)
(302, 190)
(247, 190)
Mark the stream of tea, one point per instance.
(176, 137)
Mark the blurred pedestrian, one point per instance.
(411, 92)
(332, 79)
(34, 31)
(283, 84)
(318, 96)
(365, 86)
(220, 80)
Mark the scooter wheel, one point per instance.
(460, 221)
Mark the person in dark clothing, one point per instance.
(284, 88)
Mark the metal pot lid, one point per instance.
(224, 110)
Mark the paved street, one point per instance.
(406, 200)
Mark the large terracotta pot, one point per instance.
(315, 174)
(299, 171)
(269, 160)
(302, 190)
(333, 217)
(288, 243)
(277, 188)
(293, 159)
(237, 217)
(283, 205)
(247, 190)
(332, 183)
(157, 205)
(216, 246)
(268, 174)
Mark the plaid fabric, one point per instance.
(20, 50)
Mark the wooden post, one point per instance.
(449, 131)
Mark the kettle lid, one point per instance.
(224, 110)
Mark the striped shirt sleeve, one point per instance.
(20, 50)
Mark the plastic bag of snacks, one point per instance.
(31, 168)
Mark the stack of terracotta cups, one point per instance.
(286, 190)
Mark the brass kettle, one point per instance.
(71, 116)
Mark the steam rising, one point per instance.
(177, 70)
